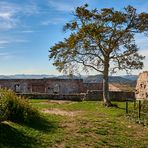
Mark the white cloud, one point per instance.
(10, 13)
(30, 9)
(54, 21)
(19, 40)
(141, 41)
(144, 52)
(5, 56)
(5, 15)
(3, 42)
(61, 6)
(9, 41)
(67, 5)
(7, 21)
(27, 31)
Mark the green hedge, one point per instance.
(14, 108)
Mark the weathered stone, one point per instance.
(142, 86)
(43, 86)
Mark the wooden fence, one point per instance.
(137, 111)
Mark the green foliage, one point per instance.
(15, 108)
(99, 37)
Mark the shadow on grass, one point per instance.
(42, 124)
(11, 137)
(115, 105)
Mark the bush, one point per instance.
(16, 109)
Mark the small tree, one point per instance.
(102, 41)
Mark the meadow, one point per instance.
(67, 124)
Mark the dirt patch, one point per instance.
(57, 102)
(61, 112)
(61, 101)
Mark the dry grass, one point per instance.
(61, 112)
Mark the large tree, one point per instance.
(101, 40)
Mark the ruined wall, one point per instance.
(92, 86)
(54, 88)
(47, 86)
(72, 97)
(114, 96)
(142, 86)
(64, 86)
(15, 85)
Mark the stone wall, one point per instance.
(92, 86)
(71, 97)
(89, 96)
(142, 86)
(114, 96)
(43, 86)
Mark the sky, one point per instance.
(29, 28)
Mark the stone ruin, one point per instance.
(63, 89)
(142, 86)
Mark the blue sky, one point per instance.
(29, 28)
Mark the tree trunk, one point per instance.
(106, 98)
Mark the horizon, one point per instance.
(66, 75)
(29, 28)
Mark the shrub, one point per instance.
(15, 108)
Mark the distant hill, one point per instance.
(126, 79)
(93, 79)
(69, 77)
(126, 83)
(23, 76)
(112, 79)
(26, 76)
(130, 77)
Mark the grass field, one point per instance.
(77, 125)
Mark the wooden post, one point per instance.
(134, 104)
(139, 109)
(127, 106)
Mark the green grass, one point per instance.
(93, 126)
